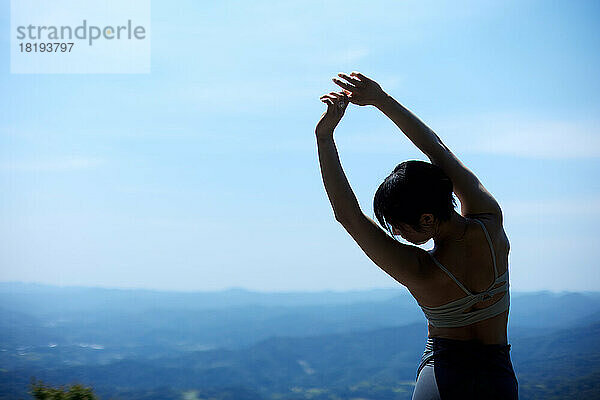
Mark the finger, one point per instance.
(350, 79)
(343, 96)
(359, 75)
(329, 102)
(336, 97)
(343, 84)
(344, 99)
(329, 96)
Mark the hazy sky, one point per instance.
(203, 174)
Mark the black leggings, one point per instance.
(456, 369)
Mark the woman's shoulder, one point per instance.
(494, 225)
(487, 215)
(493, 221)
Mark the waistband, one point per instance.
(470, 352)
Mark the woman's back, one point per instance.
(470, 361)
(469, 259)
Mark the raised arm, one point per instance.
(473, 196)
(342, 198)
(400, 261)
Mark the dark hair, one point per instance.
(412, 189)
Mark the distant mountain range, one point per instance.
(143, 344)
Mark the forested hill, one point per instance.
(345, 347)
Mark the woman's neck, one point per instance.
(451, 230)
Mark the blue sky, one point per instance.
(203, 174)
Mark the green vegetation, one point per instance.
(40, 391)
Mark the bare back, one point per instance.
(469, 260)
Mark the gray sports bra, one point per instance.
(454, 314)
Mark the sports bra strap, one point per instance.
(467, 291)
(487, 235)
(450, 275)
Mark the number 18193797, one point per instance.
(50, 47)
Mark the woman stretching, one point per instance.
(462, 284)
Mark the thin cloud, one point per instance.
(516, 136)
(55, 165)
(492, 134)
(583, 206)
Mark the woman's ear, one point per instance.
(427, 220)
